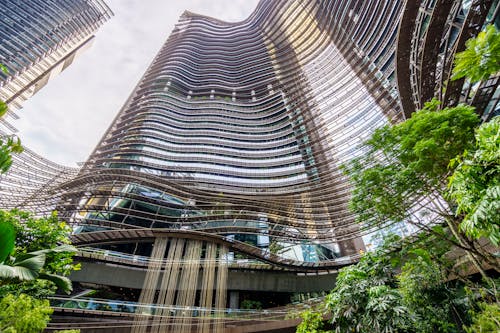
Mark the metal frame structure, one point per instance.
(431, 33)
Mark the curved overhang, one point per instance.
(149, 235)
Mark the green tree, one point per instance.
(409, 161)
(34, 234)
(8, 146)
(366, 299)
(481, 57)
(400, 287)
(23, 314)
(403, 177)
(427, 296)
(475, 184)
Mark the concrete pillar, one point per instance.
(234, 299)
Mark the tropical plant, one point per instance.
(475, 184)
(23, 314)
(26, 269)
(29, 266)
(8, 146)
(3, 106)
(401, 287)
(366, 299)
(404, 174)
(486, 319)
(250, 304)
(34, 234)
(312, 322)
(481, 57)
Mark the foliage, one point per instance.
(30, 266)
(8, 146)
(35, 288)
(34, 234)
(8, 237)
(312, 322)
(486, 320)
(249, 304)
(4, 69)
(36, 256)
(481, 58)
(366, 299)
(275, 247)
(423, 291)
(23, 314)
(475, 184)
(3, 106)
(408, 161)
(401, 287)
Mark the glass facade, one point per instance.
(239, 129)
(40, 38)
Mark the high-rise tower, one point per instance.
(232, 141)
(248, 124)
(40, 38)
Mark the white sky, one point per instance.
(65, 120)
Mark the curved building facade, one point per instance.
(230, 148)
(240, 128)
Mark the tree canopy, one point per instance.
(23, 314)
(409, 161)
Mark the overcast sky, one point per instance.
(66, 119)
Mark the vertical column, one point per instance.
(170, 283)
(221, 289)
(207, 286)
(169, 273)
(149, 286)
(188, 284)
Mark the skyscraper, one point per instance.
(252, 121)
(39, 39)
(231, 144)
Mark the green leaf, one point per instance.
(3, 108)
(61, 282)
(58, 249)
(6, 272)
(481, 58)
(4, 69)
(7, 240)
(31, 262)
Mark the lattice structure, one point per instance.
(431, 33)
(33, 182)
